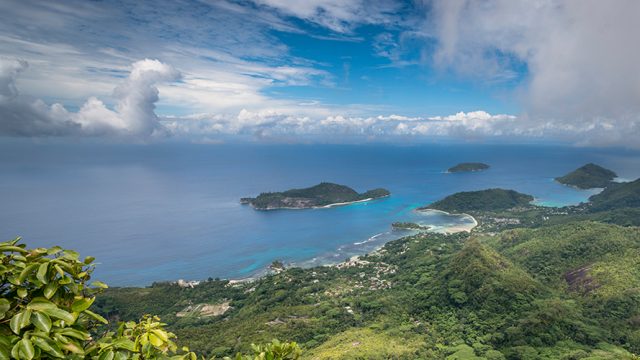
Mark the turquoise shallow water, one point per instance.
(168, 211)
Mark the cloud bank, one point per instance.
(572, 66)
(581, 58)
(133, 114)
(276, 126)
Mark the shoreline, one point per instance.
(356, 258)
(328, 206)
(261, 273)
(458, 228)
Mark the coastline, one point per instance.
(320, 207)
(356, 258)
(458, 228)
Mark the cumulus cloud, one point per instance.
(133, 114)
(580, 58)
(274, 125)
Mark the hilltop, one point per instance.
(617, 195)
(322, 195)
(468, 167)
(588, 176)
(483, 200)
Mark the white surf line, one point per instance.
(342, 203)
(475, 222)
(369, 239)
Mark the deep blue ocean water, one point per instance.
(168, 211)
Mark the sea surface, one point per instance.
(156, 212)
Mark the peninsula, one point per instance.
(409, 226)
(588, 176)
(483, 200)
(322, 195)
(468, 167)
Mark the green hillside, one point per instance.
(564, 291)
(483, 200)
(588, 176)
(617, 195)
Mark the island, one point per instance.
(588, 176)
(483, 200)
(324, 194)
(468, 167)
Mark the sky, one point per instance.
(322, 71)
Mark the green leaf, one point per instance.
(22, 293)
(5, 348)
(107, 355)
(42, 321)
(54, 250)
(70, 254)
(42, 272)
(125, 344)
(88, 260)
(26, 272)
(74, 333)
(60, 314)
(50, 289)
(73, 347)
(26, 347)
(82, 304)
(5, 305)
(5, 354)
(100, 284)
(19, 321)
(96, 316)
(48, 346)
(155, 340)
(40, 304)
(15, 351)
(7, 248)
(43, 305)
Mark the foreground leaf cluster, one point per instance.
(45, 296)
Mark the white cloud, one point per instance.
(133, 115)
(8, 73)
(272, 124)
(337, 15)
(226, 51)
(581, 58)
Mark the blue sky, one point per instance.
(322, 70)
(409, 85)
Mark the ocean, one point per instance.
(158, 212)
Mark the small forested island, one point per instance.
(490, 199)
(322, 195)
(588, 176)
(468, 167)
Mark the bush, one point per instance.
(45, 296)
